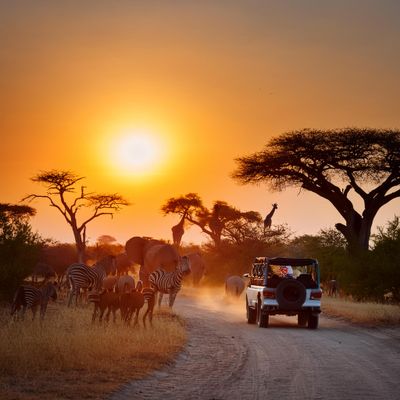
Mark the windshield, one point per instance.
(295, 272)
(306, 274)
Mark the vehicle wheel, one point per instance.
(251, 313)
(290, 294)
(313, 321)
(262, 317)
(302, 319)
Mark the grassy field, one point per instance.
(67, 357)
(369, 314)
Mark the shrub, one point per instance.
(19, 248)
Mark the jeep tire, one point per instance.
(302, 318)
(290, 294)
(251, 313)
(313, 321)
(262, 317)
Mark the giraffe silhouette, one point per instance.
(216, 223)
(178, 230)
(268, 218)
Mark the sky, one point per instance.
(206, 81)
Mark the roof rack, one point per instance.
(286, 261)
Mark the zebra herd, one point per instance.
(124, 296)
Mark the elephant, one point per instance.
(151, 254)
(198, 267)
(159, 256)
(234, 286)
(123, 263)
(136, 248)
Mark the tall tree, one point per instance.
(221, 221)
(61, 194)
(331, 163)
(187, 207)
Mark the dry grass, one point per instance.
(67, 357)
(370, 314)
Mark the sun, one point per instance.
(137, 152)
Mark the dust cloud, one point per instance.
(214, 300)
(228, 308)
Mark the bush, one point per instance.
(59, 256)
(19, 249)
(368, 275)
(235, 258)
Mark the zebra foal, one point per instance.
(103, 301)
(31, 297)
(80, 276)
(164, 282)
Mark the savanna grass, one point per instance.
(67, 353)
(371, 314)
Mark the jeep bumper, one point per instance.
(275, 309)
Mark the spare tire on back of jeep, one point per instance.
(290, 294)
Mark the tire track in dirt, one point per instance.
(225, 358)
(211, 361)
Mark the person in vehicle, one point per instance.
(278, 273)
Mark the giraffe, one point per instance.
(216, 223)
(178, 230)
(268, 218)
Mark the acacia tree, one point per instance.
(332, 163)
(61, 194)
(222, 220)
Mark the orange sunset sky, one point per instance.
(203, 81)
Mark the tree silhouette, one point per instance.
(16, 210)
(331, 163)
(20, 247)
(105, 240)
(61, 189)
(221, 221)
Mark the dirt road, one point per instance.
(226, 358)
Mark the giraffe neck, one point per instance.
(182, 221)
(271, 213)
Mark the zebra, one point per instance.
(28, 296)
(164, 282)
(149, 295)
(80, 276)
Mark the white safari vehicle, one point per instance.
(287, 286)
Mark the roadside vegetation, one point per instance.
(20, 247)
(362, 313)
(46, 361)
(372, 276)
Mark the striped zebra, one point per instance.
(31, 297)
(80, 276)
(149, 295)
(164, 282)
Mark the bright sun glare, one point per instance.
(137, 152)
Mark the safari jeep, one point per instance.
(287, 286)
